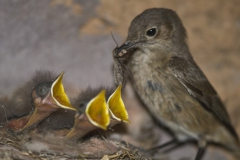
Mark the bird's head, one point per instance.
(47, 97)
(154, 28)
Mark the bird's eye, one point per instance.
(81, 107)
(151, 32)
(43, 89)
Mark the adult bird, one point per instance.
(170, 83)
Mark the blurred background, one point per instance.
(74, 36)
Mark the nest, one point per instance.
(49, 146)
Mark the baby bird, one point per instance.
(44, 93)
(93, 111)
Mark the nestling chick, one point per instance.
(45, 93)
(93, 111)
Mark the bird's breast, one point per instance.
(156, 86)
(167, 99)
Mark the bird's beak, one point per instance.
(117, 107)
(59, 95)
(119, 52)
(81, 127)
(17, 124)
(97, 111)
(54, 100)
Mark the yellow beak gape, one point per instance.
(117, 107)
(59, 95)
(97, 111)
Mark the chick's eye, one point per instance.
(43, 89)
(151, 32)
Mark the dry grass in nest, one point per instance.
(49, 146)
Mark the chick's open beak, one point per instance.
(117, 107)
(96, 116)
(81, 127)
(59, 95)
(97, 111)
(54, 100)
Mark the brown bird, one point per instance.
(45, 94)
(170, 83)
(94, 112)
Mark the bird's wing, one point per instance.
(197, 85)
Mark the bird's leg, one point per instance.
(163, 145)
(200, 153)
(202, 146)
